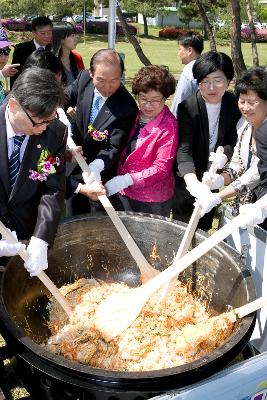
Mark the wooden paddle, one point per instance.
(42, 276)
(119, 311)
(147, 271)
(251, 307)
(189, 233)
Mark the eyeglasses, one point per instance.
(153, 103)
(5, 52)
(47, 122)
(217, 82)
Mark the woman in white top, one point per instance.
(207, 119)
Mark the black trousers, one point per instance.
(183, 206)
(127, 204)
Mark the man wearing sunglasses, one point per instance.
(32, 170)
(42, 30)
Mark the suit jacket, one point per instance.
(20, 55)
(261, 144)
(33, 207)
(193, 151)
(117, 116)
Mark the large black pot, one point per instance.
(87, 247)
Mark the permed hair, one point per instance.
(154, 77)
(253, 79)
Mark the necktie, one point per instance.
(95, 108)
(14, 162)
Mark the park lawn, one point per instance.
(158, 50)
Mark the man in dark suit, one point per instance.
(32, 170)
(42, 29)
(104, 103)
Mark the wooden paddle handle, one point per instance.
(189, 233)
(42, 276)
(192, 225)
(180, 265)
(146, 269)
(251, 307)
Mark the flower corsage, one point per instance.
(97, 135)
(45, 166)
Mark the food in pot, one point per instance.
(163, 336)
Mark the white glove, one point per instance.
(214, 181)
(208, 202)
(253, 214)
(8, 249)
(96, 167)
(219, 158)
(197, 189)
(118, 183)
(37, 259)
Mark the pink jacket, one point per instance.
(150, 164)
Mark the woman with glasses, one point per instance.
(6, 70)
(145, 180)
(207, 119)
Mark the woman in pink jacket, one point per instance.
(145, 180)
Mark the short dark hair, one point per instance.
(108, 56)
(192, 39)
(60, 32)
(44, 59)
(39, 22)
(213, 61)
(254, 79)
(154, 77)
(38, 91)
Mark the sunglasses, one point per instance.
(5, 51)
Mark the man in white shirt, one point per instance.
(190, 47)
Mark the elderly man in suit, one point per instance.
(105, 114)
(42, 29)
(32, 170)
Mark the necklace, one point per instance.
(215, 128)
(145, 120)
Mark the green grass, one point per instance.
(158, 51)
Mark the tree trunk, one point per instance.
(236, 50)
(132, 39)
(145, 26)
(207, 25)
(254, 49)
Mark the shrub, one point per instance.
(14, 24)
(173, 33)
(101, 27)
(261, 35)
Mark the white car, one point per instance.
(257, 25)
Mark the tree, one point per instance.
(202, 9)
(148, 8)
(132, 39)
(255, 56)
(236, 50)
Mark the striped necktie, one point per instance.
(14, 161)
(95, 108)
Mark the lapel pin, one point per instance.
(38, 146)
